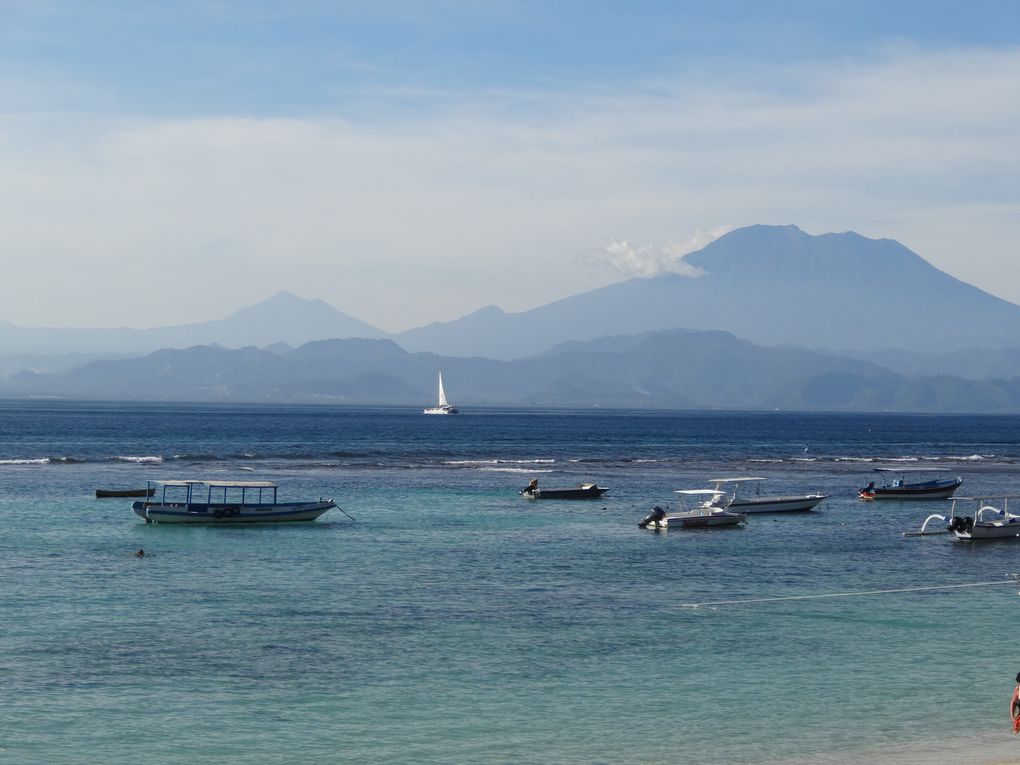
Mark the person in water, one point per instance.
(1014, 706)
(140, 553)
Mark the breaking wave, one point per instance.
(514, 470)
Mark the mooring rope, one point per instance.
(1013, 579)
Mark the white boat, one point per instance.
(911, 483)
(989, 521)
(698, 510)
(444, 406)
(753, 501)
(223, 502)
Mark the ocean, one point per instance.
(453, 621)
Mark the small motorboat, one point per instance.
(989, 521)
(581, 491)
(704, 512)
(911, 483)
(224, 502)
(104, 493)
(756, 502)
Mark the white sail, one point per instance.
(442, 393)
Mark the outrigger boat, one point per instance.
(704, 514)
(902, 487)
(581, 491)
(987, 522)
(755, 502)
(224, 502)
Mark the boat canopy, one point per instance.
(911, 470)
(221, 484)
(713, 492)
(194, 489)
(994, 498)
(737, 480)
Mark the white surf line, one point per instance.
(1013, 579)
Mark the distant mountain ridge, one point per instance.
(676, 369)
(772, 285)
(283, 318)
(843, 294)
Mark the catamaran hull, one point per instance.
(776, 504)
(231, 514)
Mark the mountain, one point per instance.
(970, 364)
(772, 285)
(283, 318)
(676, 369)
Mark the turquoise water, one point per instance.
(454, 621)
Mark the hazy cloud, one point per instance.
(654, 260)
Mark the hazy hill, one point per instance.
(770, 284)
(971, 364)
(671, 369)
(283, 318)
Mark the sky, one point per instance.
(409, 162)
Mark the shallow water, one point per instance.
(456, 622)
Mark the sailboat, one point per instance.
(444, 406)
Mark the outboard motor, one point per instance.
(962, 524)
(655, 517)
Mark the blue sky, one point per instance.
(414, 161)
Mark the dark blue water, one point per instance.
(454, 621)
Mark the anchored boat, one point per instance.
(581, 491)
(755, 502)
(699, 510)
(224, 502)
(989, 521)
(104, 493)
(911, 483)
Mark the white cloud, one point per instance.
(654, 260)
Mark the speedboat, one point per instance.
(224, 502)
(699, 509)
(755, 502)
(989, 521)
(911, 483)
(581, 491)
(444, 406)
